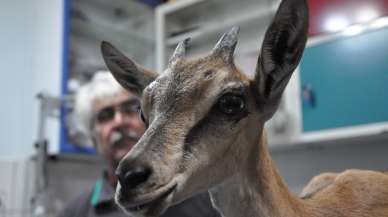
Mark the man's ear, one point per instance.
(281, 51)
(130, 75)
(93, 138)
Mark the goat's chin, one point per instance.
(156, 202)
(152, 204)
(187, 187)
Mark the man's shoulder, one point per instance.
(197, 206)
(78, 205)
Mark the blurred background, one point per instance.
(334, 113)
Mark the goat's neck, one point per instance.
(257, 191)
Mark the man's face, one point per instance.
(117, 126)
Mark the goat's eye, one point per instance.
(142, 116)
(231, 104)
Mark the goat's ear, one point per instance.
(130, 75)
(281, 52)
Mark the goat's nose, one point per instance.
(131, 178)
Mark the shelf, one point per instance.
(214, 28)
(126, 24)
(362, 133)
(300, 144)
(176, 6)
(98, 31)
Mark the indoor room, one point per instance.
(194, 108)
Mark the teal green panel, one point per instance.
(349, 79)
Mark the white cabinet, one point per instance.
(204, 21)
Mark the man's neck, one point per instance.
(111, 177)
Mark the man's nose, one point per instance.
(119, 117)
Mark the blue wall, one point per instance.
(349, 78)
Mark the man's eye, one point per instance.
(231, 104)
(130, 107)
(105, 115)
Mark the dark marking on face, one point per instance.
(193, 138)
(208, 74)
(215, 121)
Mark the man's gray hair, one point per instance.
(101, 86)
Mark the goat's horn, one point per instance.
(179, 53)
(226, 45)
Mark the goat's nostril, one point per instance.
(134, 177)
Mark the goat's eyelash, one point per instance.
(236, 90)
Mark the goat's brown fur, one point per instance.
(206, 131)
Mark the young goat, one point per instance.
(206, 132)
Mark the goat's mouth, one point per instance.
(150, 204)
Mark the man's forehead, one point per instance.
(115, 99)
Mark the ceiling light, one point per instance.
(335, 24)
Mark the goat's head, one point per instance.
(203, 116)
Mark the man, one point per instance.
(108, 115)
